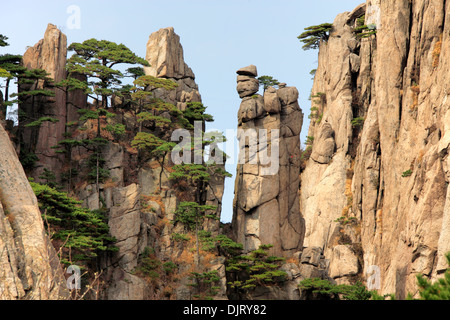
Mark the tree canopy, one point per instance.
(268, 81)
(96, 59)
(313, 36)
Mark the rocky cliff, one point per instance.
(29, 266)
(375, 188)
(49, 55)
(367, 200)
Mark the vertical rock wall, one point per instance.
(382, 191)
(26, 267)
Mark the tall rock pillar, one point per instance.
(266, 203)
(49, 54)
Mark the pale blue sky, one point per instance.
(218, 37)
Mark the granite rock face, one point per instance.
(166, 57)
(27, 270)
(377, 178)
(266, 205)
(49, 54)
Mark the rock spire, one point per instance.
(266, 203)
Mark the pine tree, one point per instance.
(10, 69)
(96, 60)
(315, 35)
(439, 290)
(268, 81)
(191, 215)
(257, 268)
(81, 233)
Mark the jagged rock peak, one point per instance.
(166, 57)
(49, 53)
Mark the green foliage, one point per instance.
(40, 121)
(169, 267)
(95, 59)
(346, 220)
(309, 141)
(324, 289)
(362, 30)
(3, 42)
(116, 129)
(146, 141)
(148, 264)
(319, 118)
(192, 214)
(30, 76)
(407, 173)
(205, 284)
(153, 113)
(28, 160)
(49, 177)
(190, 172)
(255, 269)
(97, 173)
(222, 172)
(439, 290)
(180, 237)
(149, 83)
(155, 146)
(135, 72)
(358, 123)
(320, 98)
(268, 81)
(84, 231)
(220, 243)
(313, 36)
(195, 111)
(94, 114)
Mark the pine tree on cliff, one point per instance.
(10, 69)
(96, 60)
(438, 290)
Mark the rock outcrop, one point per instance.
(166, 57)
(49, 54)
(29, 267)
(266, 205)
(375, 189)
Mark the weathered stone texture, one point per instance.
(26, 271)
(266, 206)
(400, 220)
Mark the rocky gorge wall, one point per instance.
(376, 184)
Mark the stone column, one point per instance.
(266, 204)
